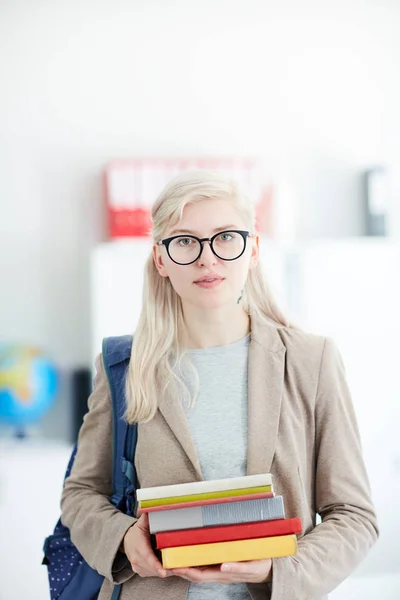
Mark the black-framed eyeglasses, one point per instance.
(186, 249)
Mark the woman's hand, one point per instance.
(137, 548)
(251, 571)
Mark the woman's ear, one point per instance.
(255, 251)
(159, 261)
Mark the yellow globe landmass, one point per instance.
(16, 378)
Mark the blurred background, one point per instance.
(101, 104)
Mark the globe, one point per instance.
(28, 384)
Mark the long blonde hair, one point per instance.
(156, 359)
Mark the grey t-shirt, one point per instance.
(218, 424)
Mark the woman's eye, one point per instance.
(185, 241)
(225, 237)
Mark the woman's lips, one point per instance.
(208, 283)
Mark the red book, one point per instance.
(204, 502)
(228, 533)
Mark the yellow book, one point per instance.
(205, 496)
(238, 550)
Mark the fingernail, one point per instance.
(162, 573)
(226, 567)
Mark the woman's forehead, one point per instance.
(213, 215)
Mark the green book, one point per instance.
(205, 496)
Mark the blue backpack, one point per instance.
(70, 577)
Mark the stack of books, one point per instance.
(216, 521)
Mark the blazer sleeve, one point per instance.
(334, 548)
(96, 527)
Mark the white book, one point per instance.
(200, 487)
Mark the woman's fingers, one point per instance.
(140, 553)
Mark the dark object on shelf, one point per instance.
(376, 201)
(81, 389)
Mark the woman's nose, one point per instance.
(207, 256)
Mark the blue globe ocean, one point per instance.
(28, 384)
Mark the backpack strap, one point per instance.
(116, 356)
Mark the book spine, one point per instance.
(205, 502)
(208, 554)
(227, 533)
(198, 487)
(219, 514)
(206, 496)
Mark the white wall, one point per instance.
(311, 87)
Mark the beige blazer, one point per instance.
(301, 428)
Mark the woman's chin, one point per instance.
(213, 302)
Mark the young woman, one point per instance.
(222, 386)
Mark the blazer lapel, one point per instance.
(174, 414)
(265, 388)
